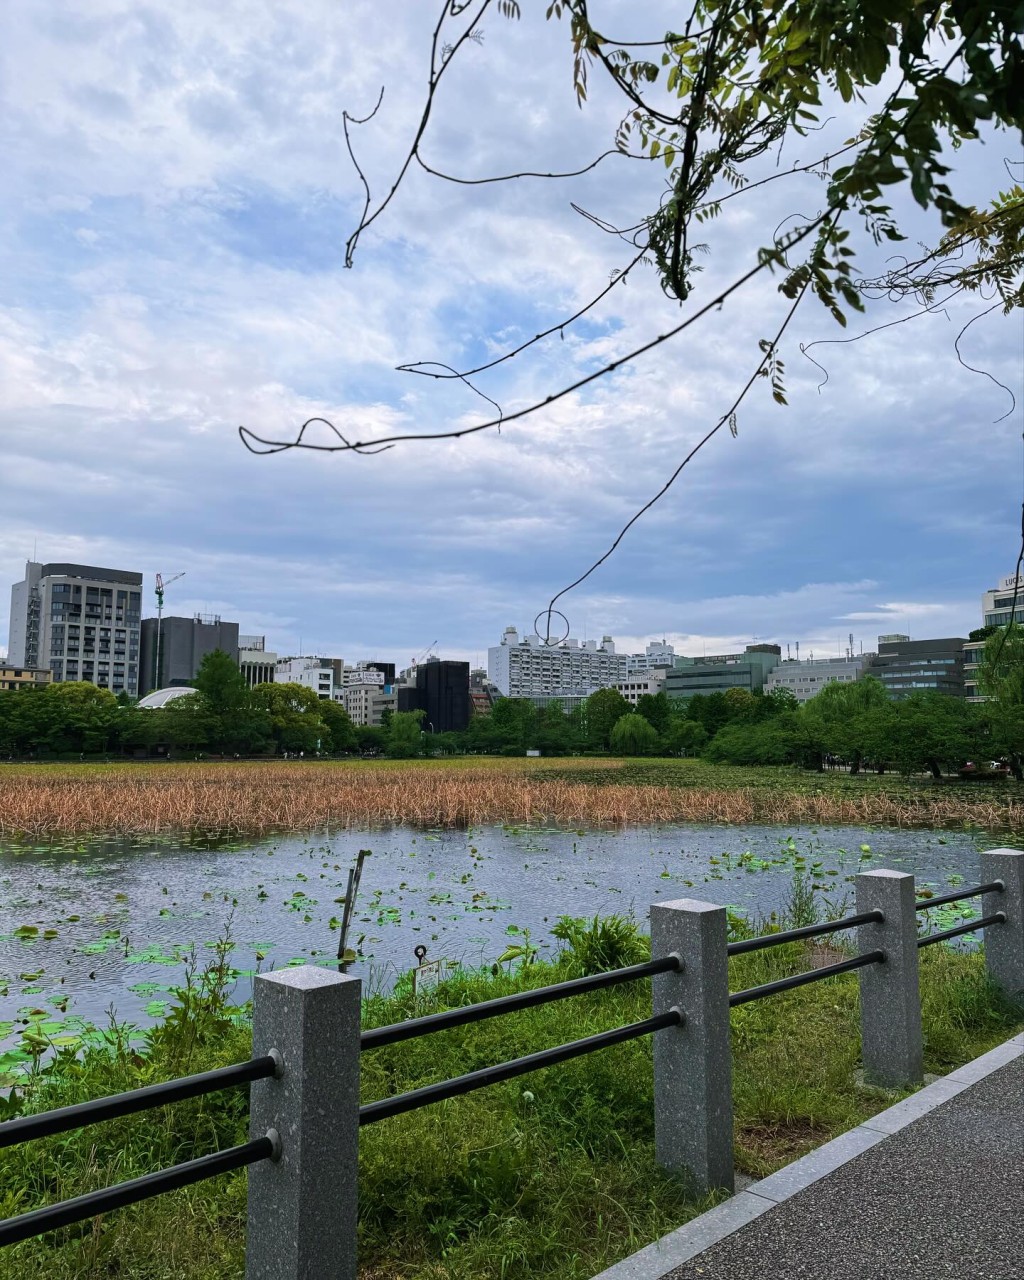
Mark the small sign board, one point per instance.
(426, 977)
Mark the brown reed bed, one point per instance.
(44, 803)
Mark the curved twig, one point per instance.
(984, 372)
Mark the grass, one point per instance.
(551, 1175)
(51, 801)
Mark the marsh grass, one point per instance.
(46, 802)
(551, 1175)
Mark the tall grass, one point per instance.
(45, 802)
(548, 1176)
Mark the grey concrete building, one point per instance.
(908, 666)
(721, 672)
(80, 621)
(184, 644)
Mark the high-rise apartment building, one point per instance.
(527, 667)
(81, 621)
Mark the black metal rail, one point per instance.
(52, 1216)
(804, 931)
(380, 1036)
(371, 1112)
(999, 917)
(81, 1114)
(996, 886)
(802, 979)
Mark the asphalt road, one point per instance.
(942, 1199)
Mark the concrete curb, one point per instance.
(709, 1228)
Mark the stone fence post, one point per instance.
(302, 1206)
(693, 1062)
(890, 1000)
(1004, 943)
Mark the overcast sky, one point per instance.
(173, 216)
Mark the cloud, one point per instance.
(176, 200)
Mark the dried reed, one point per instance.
(251, 798)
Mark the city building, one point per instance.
(804, 678)
(529, 668)
(441, 692)
(658, 655)
(721, 672)
(82, 622)
(905, 666)
(367, 701)
(482, 693)
(638, 684)
(311, 672)
(996, 604)
(256, 663)
(24, 677)
(365, 673)
(184, 643)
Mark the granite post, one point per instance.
(693, 1062)
(1004, 943)
(302, 1205)
(890, 999)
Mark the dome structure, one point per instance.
(161, 697)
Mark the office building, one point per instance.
(256, 663)
(527, 667)
(481, 693)
(907, 666)
(441, 692)
(24, 677)
(640, 683)
(995, 604)
(805, 678)
(721, 672)
(658, 655)
(184, 643)
(311, 672)
(366, 701)
(81, 622)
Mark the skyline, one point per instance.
(172, 239)
(683, 642)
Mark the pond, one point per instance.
(98, 925)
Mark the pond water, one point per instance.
(107, 924)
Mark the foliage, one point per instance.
(404, 736)
(606, 942)
(552, 1175)
(604, 708)
(633, 735)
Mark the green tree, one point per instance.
(221, 684)
(514, 723)
(687, 736)
(843, 715)
(655, 709)
(604, 708)
(404, 737)
(339, 731)
(633, 735)
(1001, 680)
(932, 731)
(294, 716)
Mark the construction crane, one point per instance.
(162, 584)
(417, 658)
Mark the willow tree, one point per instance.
(734, 82)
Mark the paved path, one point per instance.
(931, 1189)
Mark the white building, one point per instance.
(527, 667)
(808, 676)
(256, 663)
(311, 672)
(658, 654)
(362, 673)
(367, 701)
(637, 684)
(995, 612)
(81, 622)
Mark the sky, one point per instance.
(176, 200)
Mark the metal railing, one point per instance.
(307, 1046)
(82, 1114)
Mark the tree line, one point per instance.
(857, 724)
